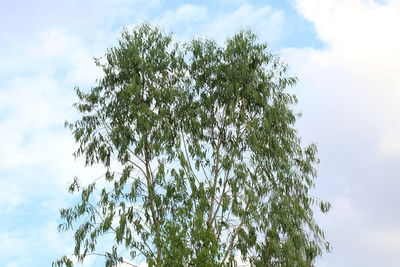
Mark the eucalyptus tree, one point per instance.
(202, 163)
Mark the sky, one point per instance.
(344, 53)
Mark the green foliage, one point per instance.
(209, 163)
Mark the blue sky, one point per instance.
(344, 52)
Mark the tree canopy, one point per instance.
(202, 163)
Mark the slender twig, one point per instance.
(103, 255)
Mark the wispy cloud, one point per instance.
(190, 21)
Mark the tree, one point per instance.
(202, 161)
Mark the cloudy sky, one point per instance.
(344, 52)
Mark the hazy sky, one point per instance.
(344, 52)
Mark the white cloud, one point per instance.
(10, 197)
(389, 144)
(342, 208)
(36, 98)
(381, 242)
(183, 14)
(36, 161)
(17, 244)
(359, 66)
(350, 94)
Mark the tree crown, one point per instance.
(210, 165)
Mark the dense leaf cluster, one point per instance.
(202, 161)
